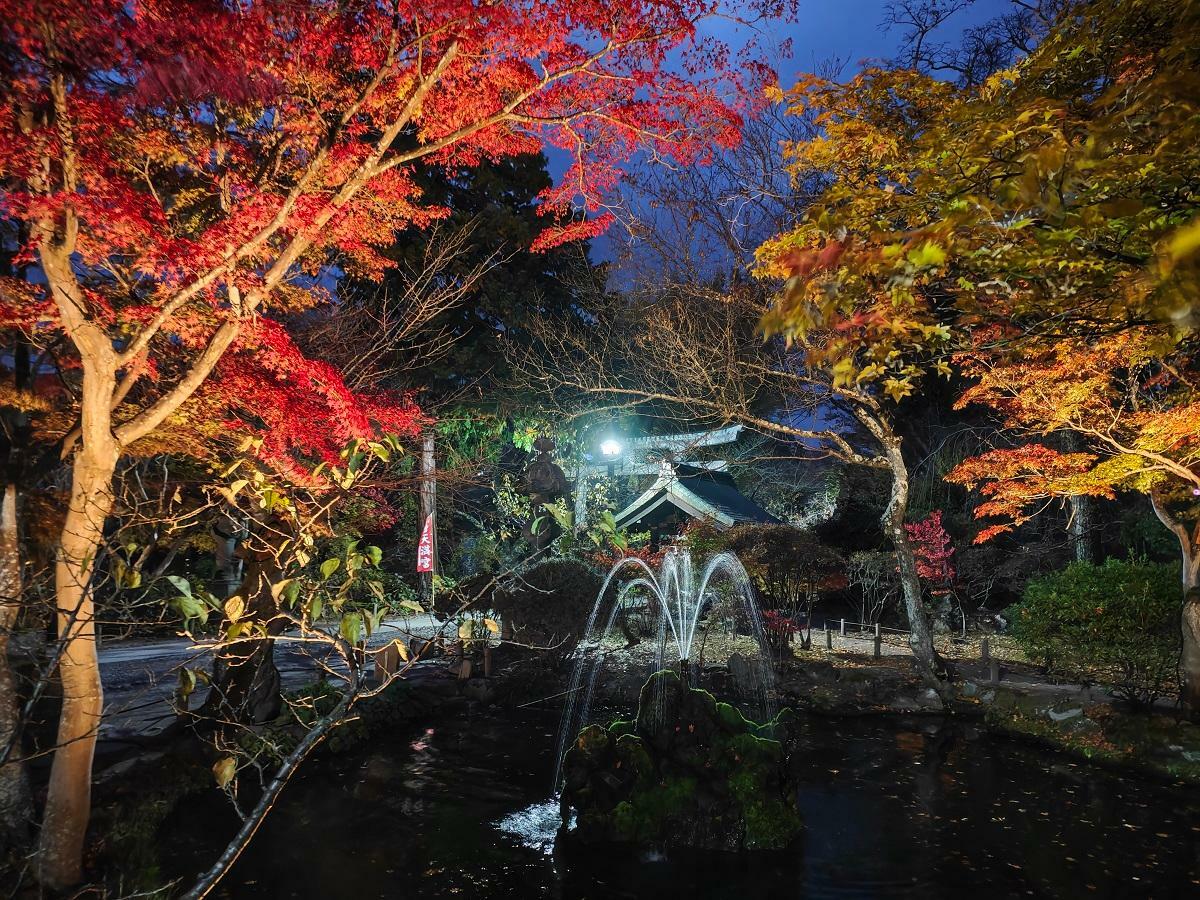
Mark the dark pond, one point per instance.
(893, 809)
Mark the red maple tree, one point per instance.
(934, 551)
(179, 168)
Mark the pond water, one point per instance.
(893, 809)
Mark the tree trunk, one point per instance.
(1189, 623)
(920, 638)
(1081, 529)
(68, 799)
(427, 507)
(246, 683)
(1081, 521)
(16, 805)
(225, 532)
(1189, 658)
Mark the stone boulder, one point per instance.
(688, 771)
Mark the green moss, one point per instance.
(778, 728)
(622, 727)
(633, 756)
(645, 815)
(757, 750)
(702, 772)
(592, 740)
(731, 719)
(771, 824)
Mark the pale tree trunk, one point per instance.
(69, 794)
(1189, 621)
(68, 799)
(1081, 531)
(427, 506)
(97, 444)
(16, 805)
(920, 637)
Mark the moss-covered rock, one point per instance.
(687, 772)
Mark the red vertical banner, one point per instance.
(425, 547)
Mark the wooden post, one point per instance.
(387, 662)
(427, 506)
(487, 662)
(985, 653)
(828, 638)
(994, 671)
(878, 642)
(843, 627)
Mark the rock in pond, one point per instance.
(689, 771)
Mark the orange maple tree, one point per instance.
(1118, 413)
(1132, 409)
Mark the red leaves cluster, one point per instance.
(151, 82)
(198, 158)
(934, 552)
(301, 407)
(778, 623)
(608, 557)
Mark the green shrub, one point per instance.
(472, 595)
(549, 605)
(1116, 623)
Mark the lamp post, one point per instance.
(610, 449)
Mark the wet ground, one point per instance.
(893, 809)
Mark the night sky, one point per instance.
(848, 31)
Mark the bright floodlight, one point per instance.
(610, 448)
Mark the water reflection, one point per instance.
(892, 809)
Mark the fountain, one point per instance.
(703, 623)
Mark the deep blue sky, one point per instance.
(849, 31)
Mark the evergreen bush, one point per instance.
(548, 606)
(1116, 623)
